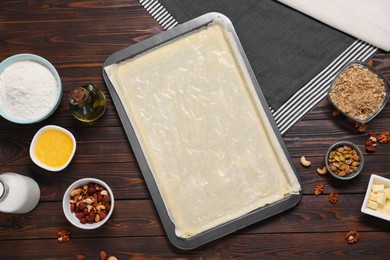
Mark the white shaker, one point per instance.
(18, 193)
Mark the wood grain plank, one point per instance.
(20, 11)
(253, 246)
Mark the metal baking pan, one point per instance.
(228, 227)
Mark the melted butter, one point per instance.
(54, 148)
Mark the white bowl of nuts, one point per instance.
(88, 203)
(344, 160)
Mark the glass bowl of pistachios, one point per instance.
(344, 160)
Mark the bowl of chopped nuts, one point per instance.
(359, 92)
(344, 160)
(88, 203)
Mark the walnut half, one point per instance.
(63, 235)
(370, 146)
(319, 189)
(333, 197)
(352, 237)
(384, 137)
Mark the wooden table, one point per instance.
(77, 37)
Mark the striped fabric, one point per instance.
(159, 13)
(309, 95)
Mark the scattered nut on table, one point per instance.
(305, 162)
(322, 171)
(370, 146)
(384, 138)
(319, 189)
(63, 235)
(352, 237)
(333, 197)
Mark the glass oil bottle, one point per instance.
(87, 103)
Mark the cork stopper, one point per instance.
(77, 95)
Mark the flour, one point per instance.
(28, 90)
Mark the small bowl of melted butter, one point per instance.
(52, 148)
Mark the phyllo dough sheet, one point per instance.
(203, 130)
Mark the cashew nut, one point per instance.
(89, 207)
(322, 171)
(75, 192)
(89, 200)
(305, 162)
(100, 207)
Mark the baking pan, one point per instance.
(230, 226)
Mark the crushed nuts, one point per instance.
(319, 189)
(333, 198)
(384, 138)
(358, 92)
(63, 236)
(343, 160)
(91, 203)
(352, 237)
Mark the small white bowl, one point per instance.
(72, 216)
(34, 143)
(375, 179)
(38, 59)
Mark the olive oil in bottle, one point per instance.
(87, 103)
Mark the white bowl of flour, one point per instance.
(30, 89)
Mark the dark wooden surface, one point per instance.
(77, 37)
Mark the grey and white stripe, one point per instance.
(316, 89)
(309, 95)
(159, 13)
